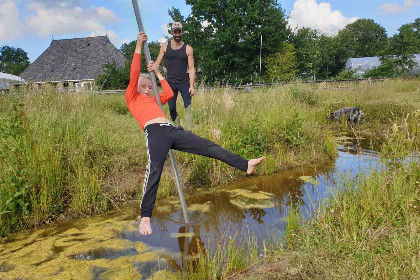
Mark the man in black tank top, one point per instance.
(178, 58)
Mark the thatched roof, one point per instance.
(73, 59)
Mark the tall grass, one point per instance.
(367, 232)
(56, 152)
(81, 154)
(367, 228)
(231, 255)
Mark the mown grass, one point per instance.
(80, 154)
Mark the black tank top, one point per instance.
(176, 64)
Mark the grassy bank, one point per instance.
(367, 228)
(80, 154)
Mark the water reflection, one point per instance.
(190, 247)
(265, 201)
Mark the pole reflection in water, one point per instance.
(190, 247)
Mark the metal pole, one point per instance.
(155, 89)
(260, 60)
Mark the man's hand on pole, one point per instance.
(153, 67)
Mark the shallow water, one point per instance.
(110, 247)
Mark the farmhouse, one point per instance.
(73, 64)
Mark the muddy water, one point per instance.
(110, 247)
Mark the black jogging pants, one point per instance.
(160, 138)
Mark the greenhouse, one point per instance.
(361, 64)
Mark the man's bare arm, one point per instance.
(161, 54)
(191, 69)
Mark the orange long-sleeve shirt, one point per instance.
(144, 108)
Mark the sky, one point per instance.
(32, 24)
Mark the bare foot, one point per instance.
(144, 227)
(252, 163)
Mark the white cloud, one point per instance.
(112, 35)
(165, 29)
(10, 26)
(63, 18)
(308, 13)
(393, 8)
(162, 41)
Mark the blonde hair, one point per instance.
(144, 76)
(147, 76)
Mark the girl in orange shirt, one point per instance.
(161, 135)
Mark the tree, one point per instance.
(403, 46)
(113, 77)
(306, 42)
(13, 60)
(398, 57)
(226, 35)
(367, 37)
(362, 38)
(128, 52)
(282, 66)
(328, 52)
(118, 78)
(416, 28)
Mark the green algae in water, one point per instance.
(248, 203)
(246, 199)
(163, 274)
(250, 194)
(52, 256)
(105, 253)
(309, 179)
(182, 234)
(5, 268)
(167, 209)
(204, 208)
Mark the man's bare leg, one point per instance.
(144, 227)
(252, 163)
